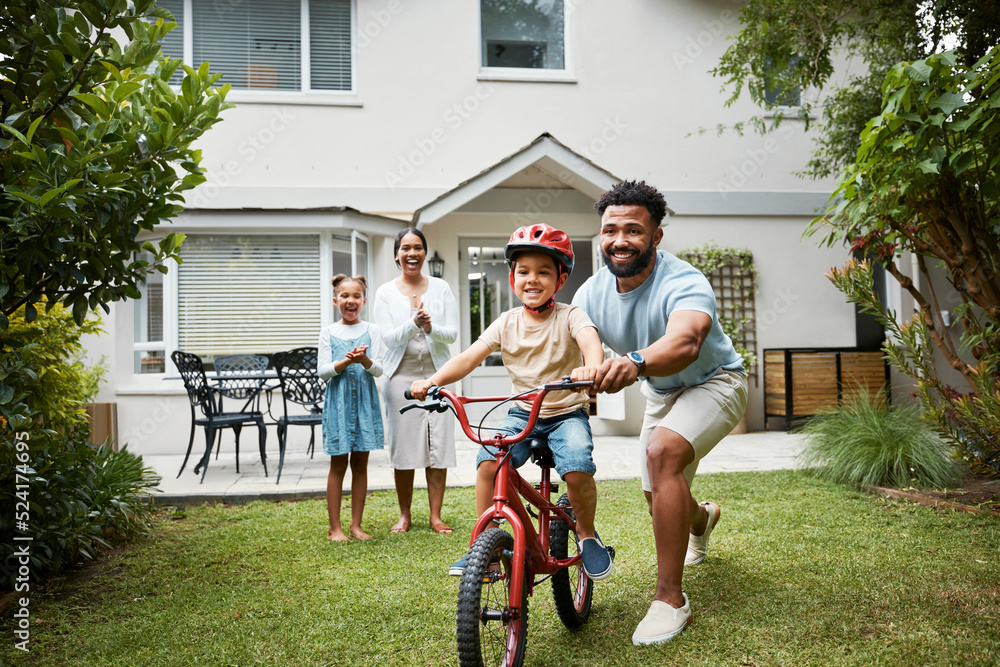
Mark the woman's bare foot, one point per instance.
(337, 536)
(359, 534)
(440, 526)
(402, 526)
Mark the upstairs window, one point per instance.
(776, 93)
(266, 45)
(523, 34)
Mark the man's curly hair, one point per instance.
(634, 193)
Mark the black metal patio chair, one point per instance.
(299, 385)
(205, 397)
(241, 388)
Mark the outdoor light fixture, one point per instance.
(436, 265)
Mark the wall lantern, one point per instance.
(436, 265)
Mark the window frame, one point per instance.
(530, 74)
(306, 94)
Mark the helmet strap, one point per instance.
(541, 309)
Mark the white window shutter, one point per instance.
(330, 44)
(253, 294)
(253, 43)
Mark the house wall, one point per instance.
(423, 121)
(637, 101)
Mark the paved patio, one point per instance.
(302, 477)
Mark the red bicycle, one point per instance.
(502, 568)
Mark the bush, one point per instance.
(866, 442)
(77, 496)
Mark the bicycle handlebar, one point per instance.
(440, 399)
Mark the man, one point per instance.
(659, 313)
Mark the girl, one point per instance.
(352, 417)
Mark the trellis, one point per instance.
(733, 278)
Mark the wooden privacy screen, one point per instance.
(802, 382)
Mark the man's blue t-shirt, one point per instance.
(634, 320)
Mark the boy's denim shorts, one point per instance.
(569, 438)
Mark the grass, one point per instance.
(800, 572)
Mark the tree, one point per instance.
(95, 147)
(787, 44)
(926, 181)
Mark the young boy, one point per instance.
(539, 343)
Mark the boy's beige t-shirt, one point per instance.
(536, 354)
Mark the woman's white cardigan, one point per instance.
(393, 318)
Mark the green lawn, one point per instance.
(800, 572)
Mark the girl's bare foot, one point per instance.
(402, 526)
(359, 534)
(440, 526)
(337, 536)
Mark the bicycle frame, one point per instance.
(509, 489)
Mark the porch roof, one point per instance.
(545, 153)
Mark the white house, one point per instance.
(357, 118)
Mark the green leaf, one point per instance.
(33, 127)
(80, 309)
(918, 71)
(94, 102)
(17, 134)
(928, 166)
(948, 102)
(126, 90)
(50, 195)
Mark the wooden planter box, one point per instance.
(103, 424)
(802, 382)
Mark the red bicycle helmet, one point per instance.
(541, 238)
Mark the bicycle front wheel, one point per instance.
(489, 630)
(572, 589)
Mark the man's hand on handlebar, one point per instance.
(615, 374)
(419, 389)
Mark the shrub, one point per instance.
(78, 496)
(867, 442)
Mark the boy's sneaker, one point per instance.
(698, 544)
(597, 562)
(458, 568)
(662, 623)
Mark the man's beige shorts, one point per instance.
(702, 415)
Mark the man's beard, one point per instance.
(636, 266)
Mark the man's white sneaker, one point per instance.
(662, 623)
(698, 544)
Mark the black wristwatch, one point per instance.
(638, 360)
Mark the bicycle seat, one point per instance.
(541, 455)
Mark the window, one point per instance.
(523, 34)
(775, 94)
(350, 256)
(266, 45)
(149, 347)
(253, 294)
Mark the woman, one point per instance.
(418, 318)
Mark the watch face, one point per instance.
(636, 359)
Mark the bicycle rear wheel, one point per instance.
(572, 589)
(488, 632)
